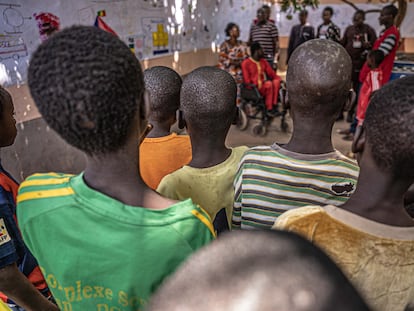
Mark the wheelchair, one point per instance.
(252, 106)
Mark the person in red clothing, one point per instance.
(256, 70)
(387, 43)
(373, 81)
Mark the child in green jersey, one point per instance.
(103, 239)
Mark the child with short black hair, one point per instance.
(258, 271)
(373, 81)
(162, 152)
(371, 236)
(273, 179)
(207, 101)
(104, 239)
(21, 281)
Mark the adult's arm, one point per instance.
(318, 31)
(336, 33)
(270, 73)
(16, 286)
(224, 60)
(388, 44)
(372, 36)
(312, 33)
(344, 39)
(290, 45)
(247, 73)
(249, 41)
(275, 36)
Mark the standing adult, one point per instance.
(300, 33)
(387, 43)
(358, 40)
(267, 34)
(232, 53)
(328, 30)
(268, 13)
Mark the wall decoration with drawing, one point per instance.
(151, 28)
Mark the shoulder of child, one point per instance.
(240, 150)
(291, 217)
(44, 180)
(169, 183)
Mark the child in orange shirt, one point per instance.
(163, 152)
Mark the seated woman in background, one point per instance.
(232, 53)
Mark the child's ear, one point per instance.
(181, 121)
(358, 143)
(350, 100)
(285, 103)
(236, 116)
(145, 108)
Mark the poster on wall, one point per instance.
(151, 28)
(14, 44)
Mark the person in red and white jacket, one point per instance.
(373, 81)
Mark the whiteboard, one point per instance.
(152, 28)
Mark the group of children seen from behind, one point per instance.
(106, 240)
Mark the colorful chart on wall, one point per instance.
(151, 28)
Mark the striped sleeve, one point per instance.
(274, 32)
(388, 44)
(236, 216)
(40, 186)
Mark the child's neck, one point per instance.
(160, 129)
(379, 197)
(207, 153)
(117, 176)
(106, 173)
(311, 137)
